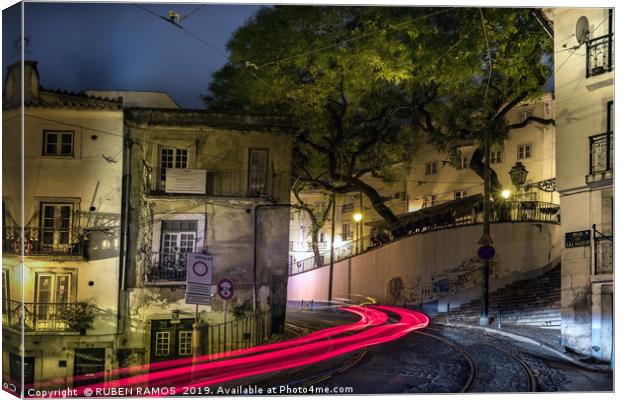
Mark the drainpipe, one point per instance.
(125, 200)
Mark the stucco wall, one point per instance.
(421, 260)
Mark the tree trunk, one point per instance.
(315, 244)
(477, 165)
(396, 227)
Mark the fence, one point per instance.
(601, 153)
(599, 55)
(237, 334)
(38, 317)
(443, 216)
(44, 241)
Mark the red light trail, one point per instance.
(371, 329)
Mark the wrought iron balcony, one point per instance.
(225, 183)
(38, 317)
(601, 157)
(599, 55)
(44, 241)
(166, 268)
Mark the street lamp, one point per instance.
(357, 217)
(518, 175)
(506, 194)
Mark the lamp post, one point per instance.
(486, 241)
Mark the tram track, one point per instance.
(531, 375)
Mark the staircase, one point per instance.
(531, 302)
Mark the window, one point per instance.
(430, 168)
(524, 151)
(170, 158)
(178, 238)
(51, 288)
(57, 143)
(429, 200)
(347, 208)
(347, 232)
(185, 343)
(463, 162)
(496, 157)
(162, 343)
(258, 162)
(56, 223)
(523, 115)
(290, 245)
(459, 194)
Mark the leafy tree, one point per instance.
(364, 85)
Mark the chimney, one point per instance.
(14, 80)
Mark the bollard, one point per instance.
(448, 317)
(499, 318)
(312, 304)
(302, 304)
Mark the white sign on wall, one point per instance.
(186, 180)
(198, 279)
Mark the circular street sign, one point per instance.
(486, 252)
(200, 268)
(225, 289)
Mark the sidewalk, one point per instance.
(550, 339)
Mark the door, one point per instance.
(15, 370)
(56, 226)
(52, 292)
(171, 339)
(89, 364)
(257, 179)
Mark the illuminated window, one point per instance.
(523, 115)
(429, 200)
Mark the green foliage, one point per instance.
(79, 316)
(364, 85)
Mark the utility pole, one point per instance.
(486, 240)
(331, 249)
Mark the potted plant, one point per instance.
(78, 316)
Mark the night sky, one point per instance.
(121, 47)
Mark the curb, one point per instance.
(527, 339)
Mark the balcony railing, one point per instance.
(228, 183)
(44, 241)
(164, 268)
(601, 153)
(442, 216)
(37, 317)
(599, 55)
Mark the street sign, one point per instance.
(486, 252)
(225, 288)
(577, 239)
(199, 268)
(198, 279)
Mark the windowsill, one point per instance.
(599, 179)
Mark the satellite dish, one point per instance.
(582, 30)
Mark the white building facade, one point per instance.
(62, 281)
(584, 79)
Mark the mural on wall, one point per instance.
(466, 275)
